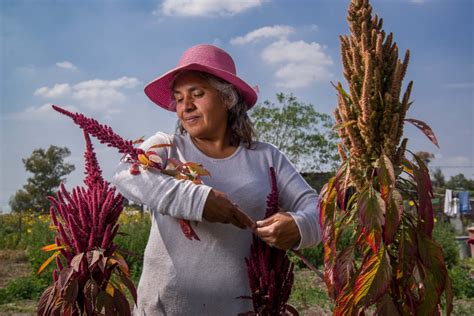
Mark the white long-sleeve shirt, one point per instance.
(184, 277)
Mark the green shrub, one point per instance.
(463, 282)
(9, 231)
(39, 236)
(29, 287)
(134, 231)
(443, 234)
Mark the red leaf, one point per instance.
(91, 289)
(425, 129)
(93, 257)
(386, 306)
(431, 255)
(392, 216)
(121, 304)
(425, 194)
(135, 169)
(344, 267)
(45, 300)
(327, 207)
(386, 176)
(131, 287)
(71, 291)
(341, 183)
(188, 231)
(371, 209)
(374, 278)
(76, 261)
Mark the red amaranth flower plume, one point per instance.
(92, 172)
(270, 272)
(103, 133)
(138, 157)
(86, 223)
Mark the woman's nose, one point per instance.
(188, 101)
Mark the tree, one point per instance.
(460, 182)
(438, 179)
(48, 169)
(298, 130)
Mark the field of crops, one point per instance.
(22, 236)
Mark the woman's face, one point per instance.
(199, 107)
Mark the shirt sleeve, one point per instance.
(300, 200)
(161, 193)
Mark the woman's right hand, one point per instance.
(219, 209)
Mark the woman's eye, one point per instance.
(198, 94)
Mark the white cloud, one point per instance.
(97, 94)
(298, 63)
(122, 82)
(66, 65)
(196, 8)
(418, 1)
(58, 91)
(276, 31)
(102, 94)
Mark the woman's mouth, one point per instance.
(191, 119)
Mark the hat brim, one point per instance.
(159, 90)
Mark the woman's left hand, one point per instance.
(279, 230)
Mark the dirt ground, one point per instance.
(14, 264)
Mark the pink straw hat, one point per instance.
(206, 58)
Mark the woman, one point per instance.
(184, 277)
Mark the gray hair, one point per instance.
(237, 118)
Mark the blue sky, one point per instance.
(96, 56)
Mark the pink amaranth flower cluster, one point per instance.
(270, 272)
(86, 222)
(89, 215)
